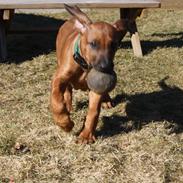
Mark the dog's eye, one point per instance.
(93, 44)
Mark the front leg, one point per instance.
(59, 107)
(87, 134)
(68, 97)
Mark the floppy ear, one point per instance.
(121, 26)
(82, 20)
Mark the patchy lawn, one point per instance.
(140, 140)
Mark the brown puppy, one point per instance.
(96, 43)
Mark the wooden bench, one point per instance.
(129, 9)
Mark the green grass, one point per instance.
(140, 140)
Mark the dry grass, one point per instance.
(140, 140)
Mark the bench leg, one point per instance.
(5, 21)
(135, 40)
(3, 48)
(131, 14)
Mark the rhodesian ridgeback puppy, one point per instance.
(81, 45)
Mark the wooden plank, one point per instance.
(49, 4)
(3, 48)
(172, 4)
(6, 15)
(135, 40)
(131, 14)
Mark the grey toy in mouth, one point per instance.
(101, 82)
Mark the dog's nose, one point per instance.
(105, 66)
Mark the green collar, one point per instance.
(76, 45)
(77, 55)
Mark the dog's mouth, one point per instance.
(105, 68)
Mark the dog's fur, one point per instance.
(98, 44)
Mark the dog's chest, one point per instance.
(79, 82)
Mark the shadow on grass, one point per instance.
(142, 109)
(149, 46)
(23, 47)
(27, 45)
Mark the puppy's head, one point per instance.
(99, 41)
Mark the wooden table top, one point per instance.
(55, 4)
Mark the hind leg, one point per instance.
(107, 102)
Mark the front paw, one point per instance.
(86, 138)
(64, 122)
(68, 127)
